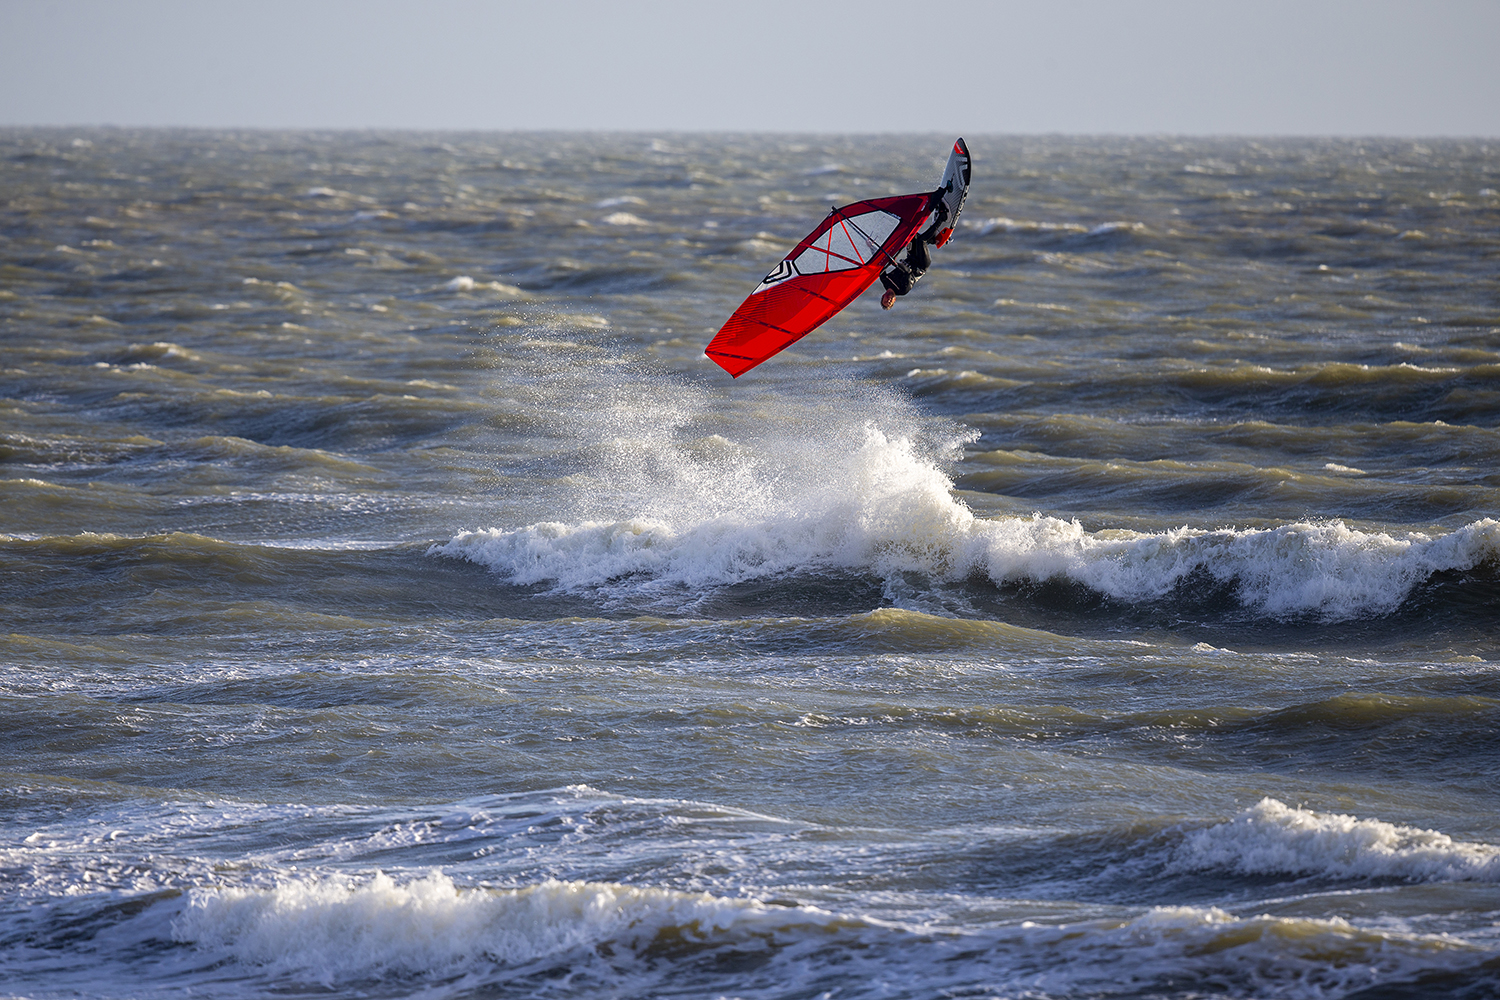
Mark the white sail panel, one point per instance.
(878, 226)
(848, 243)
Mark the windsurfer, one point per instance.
(902, 276)
(836, 262)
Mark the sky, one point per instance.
(1205, 67)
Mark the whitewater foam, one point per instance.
(861, 496)
(335, 929)
(426, 929)
(339, 932)
(1274, 838)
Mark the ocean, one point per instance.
(398, 603)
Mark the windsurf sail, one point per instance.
(822, 274)
(831, 267)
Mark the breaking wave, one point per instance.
(404, 931)
(715, 512)
(334, 930)
(1276, 839)
(637, 940)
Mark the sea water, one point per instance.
(398, 603)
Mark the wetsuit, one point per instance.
(902, 277)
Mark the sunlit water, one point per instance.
(399, 603)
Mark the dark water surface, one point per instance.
(397, 602)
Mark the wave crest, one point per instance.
(335, 930)
(885, 510)
(1274, 838)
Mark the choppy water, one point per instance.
(399, 603)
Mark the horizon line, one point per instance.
(560, 130)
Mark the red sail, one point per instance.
(822, 275)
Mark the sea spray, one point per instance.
(855, 497)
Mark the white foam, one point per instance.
(855, 496)
(1213, 167)
(465, 283)
(336, 931)
(1003, 224)
(428, 936)
(333, 929)
(638, 941)
(725, 511)
(1274, 838)
(1329, 568)
(1223, 954)
(424, 932)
